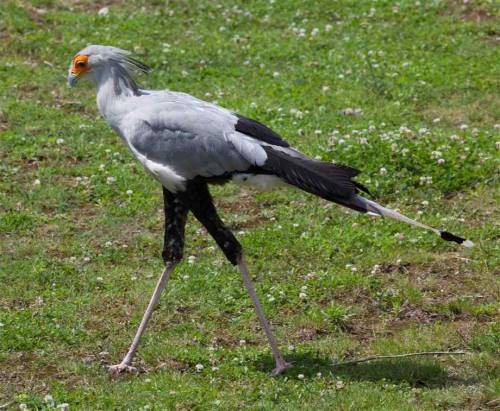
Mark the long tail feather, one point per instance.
(374, 208)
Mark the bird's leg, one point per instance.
(175, 222)
(200, 202)
(125, 365)
(281, 364)
(176, 212)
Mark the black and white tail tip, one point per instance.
(376, 209)
(445, 235)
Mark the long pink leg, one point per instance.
(281, 364)
(125, 365)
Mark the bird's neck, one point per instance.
(114, 84)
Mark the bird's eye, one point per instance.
(81, 64)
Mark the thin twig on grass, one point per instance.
(412, 354)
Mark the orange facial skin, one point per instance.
(80, 65)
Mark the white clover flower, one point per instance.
(276, 74)
(214, 368)
(191, 259)
(37, 182)
(243, 342)
(299, 114)
(383, 171)
(110, 180)
(291, 348)
(425, 203)
(199, 367)
(86, 259)
(60, 141)
(363, 141)
(463, 127)
(399, 236)
(103, 12)
(319, 375)
(300, 376)
(317, 132)
(129, 192)
(440, 161)
(425, 180)
(108, 244)
(339, 385)
(328, 28)
(325, 88)
(436, 154)
(303, 296)
(314, 32)
(436, 120)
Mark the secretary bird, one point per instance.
(186, 143)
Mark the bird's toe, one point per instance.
(281, 367)
(122, 368)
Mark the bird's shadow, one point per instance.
(416, 372)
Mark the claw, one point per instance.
(280, 367)
(122, 368)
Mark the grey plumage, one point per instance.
(178, 137)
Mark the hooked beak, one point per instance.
(72, 79)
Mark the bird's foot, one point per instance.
(280, 367)
(122, 368)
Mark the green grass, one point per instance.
(79, 256)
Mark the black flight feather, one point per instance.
(329, 181)
(259, 131)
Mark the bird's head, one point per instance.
(92, 60)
